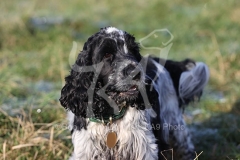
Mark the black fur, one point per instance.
(108, 51)
(74, 95)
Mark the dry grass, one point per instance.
(24, 139)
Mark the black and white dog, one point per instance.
(127, 107)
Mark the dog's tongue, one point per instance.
(131, 91)
(133, 88)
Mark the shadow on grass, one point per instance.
(219, 136)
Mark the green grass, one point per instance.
(34, 60)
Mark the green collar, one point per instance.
(110, 119)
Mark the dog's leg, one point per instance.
(180, 141)
(178, 137)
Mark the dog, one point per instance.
(122, 105)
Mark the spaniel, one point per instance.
(123, 106)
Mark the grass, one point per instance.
(36, 39)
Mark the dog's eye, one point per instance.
(108, 55)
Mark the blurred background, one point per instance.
(36, 52)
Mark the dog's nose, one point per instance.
(131, 71)
(137, 77)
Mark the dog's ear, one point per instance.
(74, 95)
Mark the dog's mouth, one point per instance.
(126, 92)
(133, 90)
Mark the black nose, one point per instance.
(131, 71)
(137, 77)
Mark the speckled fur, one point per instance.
(168, 88)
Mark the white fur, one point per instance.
(109, 30)
(113, 29)
(125, 48)
(135, 139)
(70, 117)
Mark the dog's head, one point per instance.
(106, 73)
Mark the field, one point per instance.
(39, 41)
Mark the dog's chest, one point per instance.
(135, 139)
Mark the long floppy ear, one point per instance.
(74, 95)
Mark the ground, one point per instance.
(39, 41)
